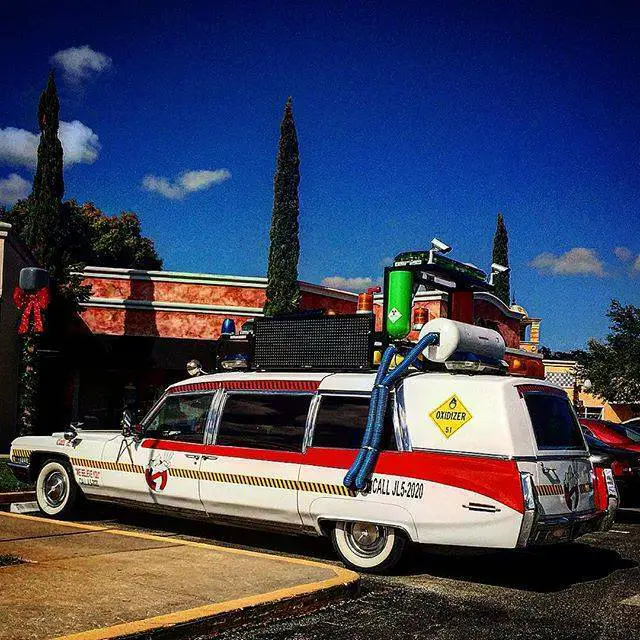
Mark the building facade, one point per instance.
(13, 257)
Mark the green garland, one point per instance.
(29, 383)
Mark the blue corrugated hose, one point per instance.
(383, 368)
(362, 467)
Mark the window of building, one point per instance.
(264, 421)
(592, 413)
(341, 420)
(182, 418)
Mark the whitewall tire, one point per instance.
(368, 547)
(56, 489)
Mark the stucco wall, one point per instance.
(175, 305)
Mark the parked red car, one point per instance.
(620, 444)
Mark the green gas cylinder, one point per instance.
(399, 294)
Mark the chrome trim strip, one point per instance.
(549, 458)
(311, 422)
(468, 454)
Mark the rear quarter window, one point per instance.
(554, 423)
(341, 420)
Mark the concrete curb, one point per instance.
(210, 618)
(17, 496)
(237, 615)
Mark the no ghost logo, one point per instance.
(157, 472)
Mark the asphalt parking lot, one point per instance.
(589, 589)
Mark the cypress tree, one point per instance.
(283, 292)
(46, 228)
(48, 181)
(501, 256)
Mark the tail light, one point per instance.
(600, 493)
(619, 468)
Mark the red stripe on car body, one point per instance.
(494, 478)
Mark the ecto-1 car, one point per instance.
(489, 461)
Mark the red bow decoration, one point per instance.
(31, 303)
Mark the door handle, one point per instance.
(205, 457)
(193, 456)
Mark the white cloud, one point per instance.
(187, 182)
(203, 179)
(350, 284)
(623, 253)
(576, 261)
(78, 63)
(636, 265)
(19, 147)
(13, 188)
(163, 187)
(79, 142)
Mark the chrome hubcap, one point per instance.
(55, 489)
(366, 539)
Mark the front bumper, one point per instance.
(20, 471)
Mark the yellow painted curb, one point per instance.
(343, 577)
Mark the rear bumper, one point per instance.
(557, 529)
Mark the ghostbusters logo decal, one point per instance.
(571, 486)
(156, 473)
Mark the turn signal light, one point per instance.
(525, 366)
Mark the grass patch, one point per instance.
(7, 561)
(8, 481)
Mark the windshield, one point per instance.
(554, 423)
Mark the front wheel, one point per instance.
(56, 489)
(368, 547)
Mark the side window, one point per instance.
(341, 421)
(182, 418)
(264, 421)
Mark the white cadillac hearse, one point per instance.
(446, 457)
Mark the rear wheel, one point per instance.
(56, 489)
(368, 547)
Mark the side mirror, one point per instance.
(134, 431)
(129, 427)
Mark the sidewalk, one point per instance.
(94, 582)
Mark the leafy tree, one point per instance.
(550, 354)
(113, 241)
(501, 256)
(613, 366)
(283, 292)
(93, 237)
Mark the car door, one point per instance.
(334, 440)
(252, 470)
(172, 447)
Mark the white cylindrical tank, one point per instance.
(460, 336)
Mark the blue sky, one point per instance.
(415, 119)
